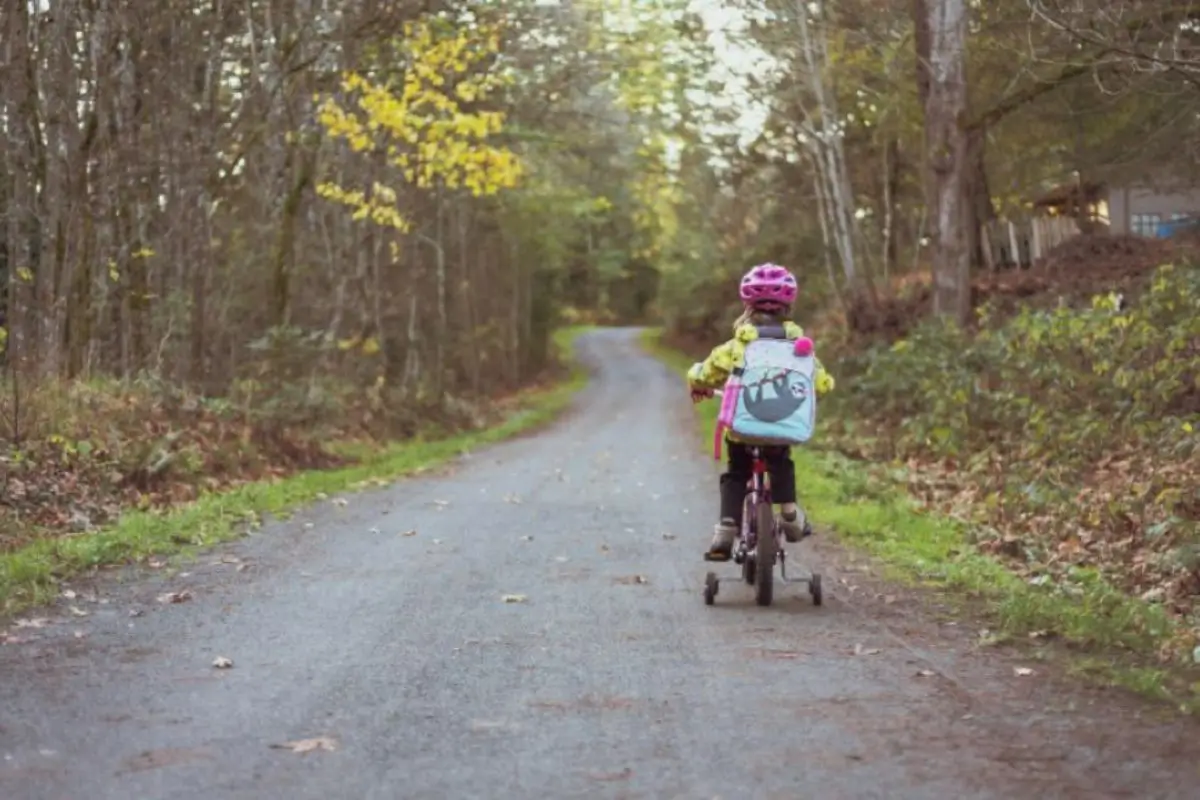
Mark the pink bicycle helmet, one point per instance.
(768, 282)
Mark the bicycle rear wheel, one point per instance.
(748, 521)
(764, 554)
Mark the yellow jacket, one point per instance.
(714, 370)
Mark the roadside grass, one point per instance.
(31, 575)
(1113, 638)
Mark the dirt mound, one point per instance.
(1107, 255)
(1074, 271)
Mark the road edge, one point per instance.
(31, 575)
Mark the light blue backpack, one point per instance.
(772, 398)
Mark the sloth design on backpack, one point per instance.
(771, 399)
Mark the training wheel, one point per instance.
(814, 588)
(711, 587)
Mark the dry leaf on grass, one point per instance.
(39, 622)
(327, 743)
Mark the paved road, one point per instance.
(401, 650)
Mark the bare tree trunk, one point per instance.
(891, 177)
(826, 144)
(949, 161)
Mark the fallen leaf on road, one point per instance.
(135, 612)
(437, 541)
(859, 650)
(341, 502)
(768, 652)
(630, 580)
(412, 532)
(623, 775)
(182, 596)
(154, 563)
(374, 530)
(668, 536)
(40, 622)
(168, 757)
(526, 538)
(1022, 672)
(78, 612)
(308, 745)
(513, 499)
(561, 559)
(80, 634)
(221, 662)
(515, 598)
(924, 673)
(69, 594)
(604, 548)
(308, 526)
(629, 530)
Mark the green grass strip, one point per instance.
(31, 575)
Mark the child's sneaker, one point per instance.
(794, 525)
(724, 533)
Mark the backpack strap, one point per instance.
(771, 331)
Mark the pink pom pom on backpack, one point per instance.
(804, 347)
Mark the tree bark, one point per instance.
(949, 157)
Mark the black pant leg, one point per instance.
(734, 479)
(783, 474)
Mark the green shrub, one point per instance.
(1074, 434)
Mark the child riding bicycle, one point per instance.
(767, 292)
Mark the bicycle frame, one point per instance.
(758, 491)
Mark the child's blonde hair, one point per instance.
(756, 316)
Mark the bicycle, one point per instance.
(757, 555)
